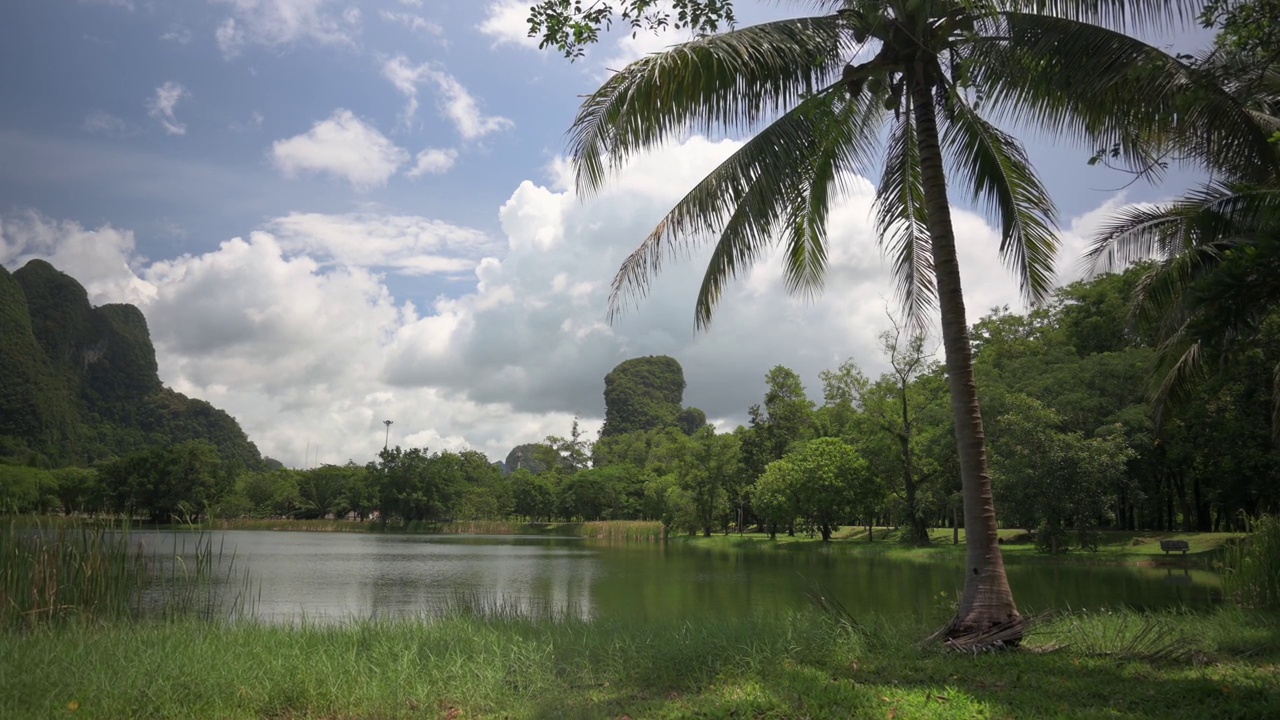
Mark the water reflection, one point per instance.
(323, 576)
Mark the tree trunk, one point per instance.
(1203, 523)
(915, 519)
(1184, 506)
(987, 600)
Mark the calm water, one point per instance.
(342, 576)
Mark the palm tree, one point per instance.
(820, 91)
(1217, 248)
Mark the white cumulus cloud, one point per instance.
(433, 161)
(294, 328)
(411, 245)
(99, 259)
(177, 34)
(121, 4)
(343, 146)
(161, 107)
(507, 21)
(456, 102)
(280, 23)
(414, 23)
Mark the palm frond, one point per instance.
(1179, 370)
(749, 199)
(901, 223)
(1213, 214)
(1135, 233)
(1215, 287)
(843, 137)
(1104, 88)
(721, 83)
(1126, 15)
(1000, 175)
(1163, 301)
(1275, 402)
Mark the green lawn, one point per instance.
(801, 665)
(1113, 546)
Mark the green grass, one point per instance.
(1114, 546)
(783, 666)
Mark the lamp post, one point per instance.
(387, 439)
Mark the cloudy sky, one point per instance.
(335, 213)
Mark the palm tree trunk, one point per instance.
(987, 601)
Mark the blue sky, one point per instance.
(334, 213)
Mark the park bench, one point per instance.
(1170, 545)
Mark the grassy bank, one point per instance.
(1114, 546)
(1219, 665)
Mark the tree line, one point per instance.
(1074, 448)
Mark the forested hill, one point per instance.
(79, 383)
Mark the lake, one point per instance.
(337, 576)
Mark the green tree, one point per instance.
(586, 495)
(413, 486)
(1053, 480)
(24, 489)
(892, 406)
(178, 482)
(691, 420)
(842, 390)
(570, 454)
(326, 489)
(270, 493)
(77, 489)
(788, 412)
(922, 63)
(823, 483)
(706, 475)
(533, 496)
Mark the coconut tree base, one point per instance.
(964, 636)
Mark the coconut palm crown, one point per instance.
(818, 93)
(1216, 249)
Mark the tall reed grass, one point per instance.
(471, 527)
(627, 531)
(1251, 567)
(49, 574)
(314, 525)
(96, 573)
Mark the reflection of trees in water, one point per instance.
(528, 585)
(328, 577)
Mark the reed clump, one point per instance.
(100, 573)
(624, 531)
(51, 574)
(1251, 567)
